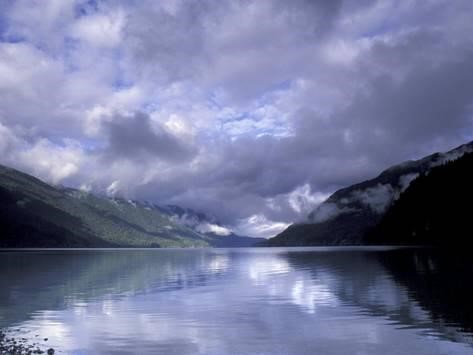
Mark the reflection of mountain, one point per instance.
(256, 291)
(438, 282)
(59, 279)
(418, 288)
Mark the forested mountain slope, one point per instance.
(436, 209)
(35, 214)
(348, 214)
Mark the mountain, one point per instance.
(348, 214)
(434, 210)
(35, 214)
(218, 235)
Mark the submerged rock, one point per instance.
(9, 345)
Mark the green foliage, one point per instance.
(36, 214)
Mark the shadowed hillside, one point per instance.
(435, 209)
(347, 215)
(35, 214)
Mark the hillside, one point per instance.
(434, 210)
(215, 233)
(35, 214)
(346, 216)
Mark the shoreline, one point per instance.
(10, 344)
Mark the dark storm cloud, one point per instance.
(166, 43)
(211, 41)
(422, 105)
(430, 104)
(134, 137)
(253, 107)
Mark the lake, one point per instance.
(240, 301)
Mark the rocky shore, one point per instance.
(14, 345)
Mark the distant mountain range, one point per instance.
(35, 214)
(375, 211)
(426, 201)
(209, 226)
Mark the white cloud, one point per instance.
(276, 103)
(405, 181)
(100, 30)
(446, 157)
(113, 188)
(302, 200)
(41, 23)
(51, 162)
(213, 228)
(327, 211)
(259, 226)
(8, 141)
(378, 198)
(341, 51)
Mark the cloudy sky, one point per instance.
(253, 111)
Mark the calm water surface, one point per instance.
(240, 301)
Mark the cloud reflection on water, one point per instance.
(225, 302)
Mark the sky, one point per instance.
(250, 111)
